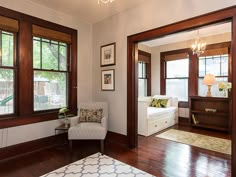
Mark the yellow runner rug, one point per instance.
(198, 140)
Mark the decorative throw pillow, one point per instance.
(90, 115)
(159, 103)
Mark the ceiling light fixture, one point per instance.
(105, 1)
(198, 47)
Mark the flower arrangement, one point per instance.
(224, 86)
(63, 110)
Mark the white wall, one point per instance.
(153, 14)
(84, 39)
(10, 136)
(24, 133)
(144, 48)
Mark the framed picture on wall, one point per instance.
(108, 54)
(108, 80)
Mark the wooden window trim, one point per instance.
(15, 69)
(24, 95)
(146, 57)
(193, 66)
(8, 24)
(222, 45)
(42, 32)
(177, 53)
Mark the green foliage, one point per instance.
(6, 74)
(63, 111)
(54, 57)
(7, 55)
(7, 49)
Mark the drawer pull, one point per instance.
(155, 125)
(166, 122)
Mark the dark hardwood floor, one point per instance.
(157, 156)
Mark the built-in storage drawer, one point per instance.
(155, 126)
(158, 125)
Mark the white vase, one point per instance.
(225, 93)
(66, 122)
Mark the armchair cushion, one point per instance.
(87, 130)
(90, 115)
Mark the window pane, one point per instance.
(202, 89)
(202, 69)
(224, 65)
(144, 70)
(177, 88)
(216, 65)
(62, 44)
(63, 58)
(142, 87)
(36, 54)
(46, 40)
(177, 68)
(50, 90)
(213, 65)
(6, 91)
(140, 69)
(54, 42)
(49, 56)
(7, 49)
(37, 38)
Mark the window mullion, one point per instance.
(58, 54)
(220, 65)
(0, 48)
(41, 54)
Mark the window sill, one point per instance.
(30, 119)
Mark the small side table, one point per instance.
(62, 128)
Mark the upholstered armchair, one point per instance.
(83, 127)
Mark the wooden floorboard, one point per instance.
(157, 156)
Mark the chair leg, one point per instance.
(102, 146)
(70, 148)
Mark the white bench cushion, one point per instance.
(159, 112)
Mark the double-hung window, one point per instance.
(216, 62)
(50, 64)
(142, 78)
(144, 73)
(176, 75)
(7, 73)
(8, 70)
(38, 69)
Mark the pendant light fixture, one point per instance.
(198, 47)
(105, 1)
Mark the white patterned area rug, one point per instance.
(198, 140)
(97, 165)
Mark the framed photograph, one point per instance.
(108, 80)
(108, 55)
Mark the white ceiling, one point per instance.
(188, 35)
(89, 10)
